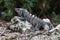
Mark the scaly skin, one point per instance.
(34, 20)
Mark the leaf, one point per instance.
(10, 13)
(9, 3)
(7, 14)
(3, 14)
(47, 7)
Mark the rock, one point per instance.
(2, 30)
(19, 23)
(36, 37)
(2, 38)
(11, 36)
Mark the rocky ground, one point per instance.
(12, 34)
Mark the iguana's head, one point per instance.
(20, 11)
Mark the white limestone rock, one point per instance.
(20, 23)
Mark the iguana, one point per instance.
(34, 20)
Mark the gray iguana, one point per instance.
(34, 20)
